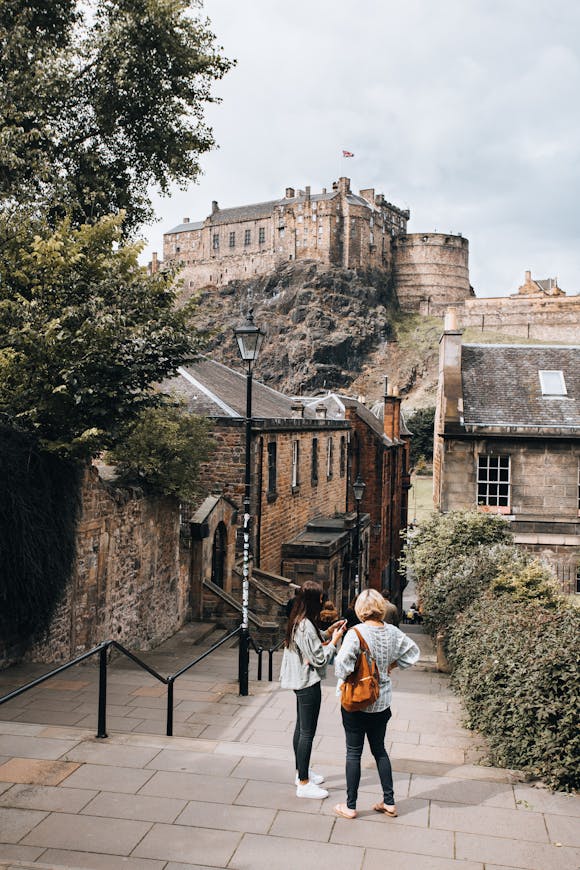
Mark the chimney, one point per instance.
(450, 392)
(185, 220)
(154, 263)
(214, 206)
(321, 410)
(307, 191)
(290, 193)
(368, 194)
(392, 411)
(297, 409)
(324, 190)
(344, 184)
(528, 277)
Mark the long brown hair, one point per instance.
(307, 605)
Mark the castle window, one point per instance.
(261, 235)
(314, 464)
(177, 249)
(300, 219)
(493, 482)
(216, 241)
(281, 231)
(314, 206)
(232, 240)
(247, 237)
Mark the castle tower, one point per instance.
(431, 271)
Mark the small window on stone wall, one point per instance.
(295, 464)
(247, 237)
(329, 457)
(342, 457)
(493, 483)
(272, 470)
(314, 465)
(261, 235)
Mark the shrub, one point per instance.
(451, 591)
(516, 667)
(445, 538)
(420, 423)
(163, 452)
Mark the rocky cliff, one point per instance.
(323, 324)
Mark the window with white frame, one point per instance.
(261, 235)
(493, 481)
(216, 241)
(232, 240)
(247, 237)
(295, 464)
(552, 383)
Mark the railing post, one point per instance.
(270, 664)
(170, 684)
(244, 659)
(260, 651)
(102, 717)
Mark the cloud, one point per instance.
(464, 112)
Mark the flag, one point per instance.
(347, 154)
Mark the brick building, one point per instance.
(507, 440)
(305, 454)
(337, 227)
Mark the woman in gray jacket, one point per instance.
(306, 655)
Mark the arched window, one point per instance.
(218, 556)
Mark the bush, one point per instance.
(444, 538)
(452, 590)
(163, 452)
(516, 667)
(421, 424)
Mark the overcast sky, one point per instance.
(464, 111)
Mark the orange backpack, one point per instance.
(361, 688)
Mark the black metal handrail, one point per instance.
(102, 650)
(271, 652)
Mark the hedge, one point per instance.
(516, 667)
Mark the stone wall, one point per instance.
(126, 584)
(430, 271)
(545, 318)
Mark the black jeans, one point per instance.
(307, 710)
(373, 725)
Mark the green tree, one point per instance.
(421, 424)
(84, 333)
(99, 101)
(163, 451)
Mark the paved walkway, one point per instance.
(221, 795)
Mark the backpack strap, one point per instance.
(363, 644)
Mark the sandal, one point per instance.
(381, 808)
(343, 811)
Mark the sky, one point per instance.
(466, 112)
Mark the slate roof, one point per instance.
(501, 386)
(212, 389)
(184, 228)
(243, 212)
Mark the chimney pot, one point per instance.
(290, 193)
(185, 220)
(214, 206)
(297, 409)
(528, 276)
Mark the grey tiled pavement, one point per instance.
(220, 793)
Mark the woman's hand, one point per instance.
(338, 632)
(392, 667)
(335, 625)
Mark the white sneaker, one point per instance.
(316, 778)
(311, 791)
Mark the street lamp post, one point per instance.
(358, 489)
(249, 338)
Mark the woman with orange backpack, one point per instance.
(369, 653)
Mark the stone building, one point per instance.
(305, 454)
(507, 441)
(337, 227)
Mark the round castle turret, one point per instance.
(431, 271)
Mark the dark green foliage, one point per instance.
(444, 537)
(163, 451)
(100, 101)
(421, 424)
(39, 503)
(516, 667)
(84, 333)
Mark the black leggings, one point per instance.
(373, 725)
(307, 710)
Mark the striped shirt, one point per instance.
(387, 645)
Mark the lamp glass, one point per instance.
(249, 338)
(359, 488)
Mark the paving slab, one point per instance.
(136, 807)
(283, 853)
(224, 817)
(302, 827)
(396, 838)
(516, 853)
(16, 823)
(463, 791)
(28, 746)
(103, 777)
(179, 843)
(541, 800)
(384, 859)
(193, 786)
(50, 798)
(87, 833)
(19, 853)
(103, 753)
(35, 770)
(563, 829)
(484, 820)
(65, 858)
(194, 762)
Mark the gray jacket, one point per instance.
(304, 661)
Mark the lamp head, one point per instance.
(249, 338)
(359, 488)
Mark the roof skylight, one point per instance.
(552, 383)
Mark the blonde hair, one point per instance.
(370, 605)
